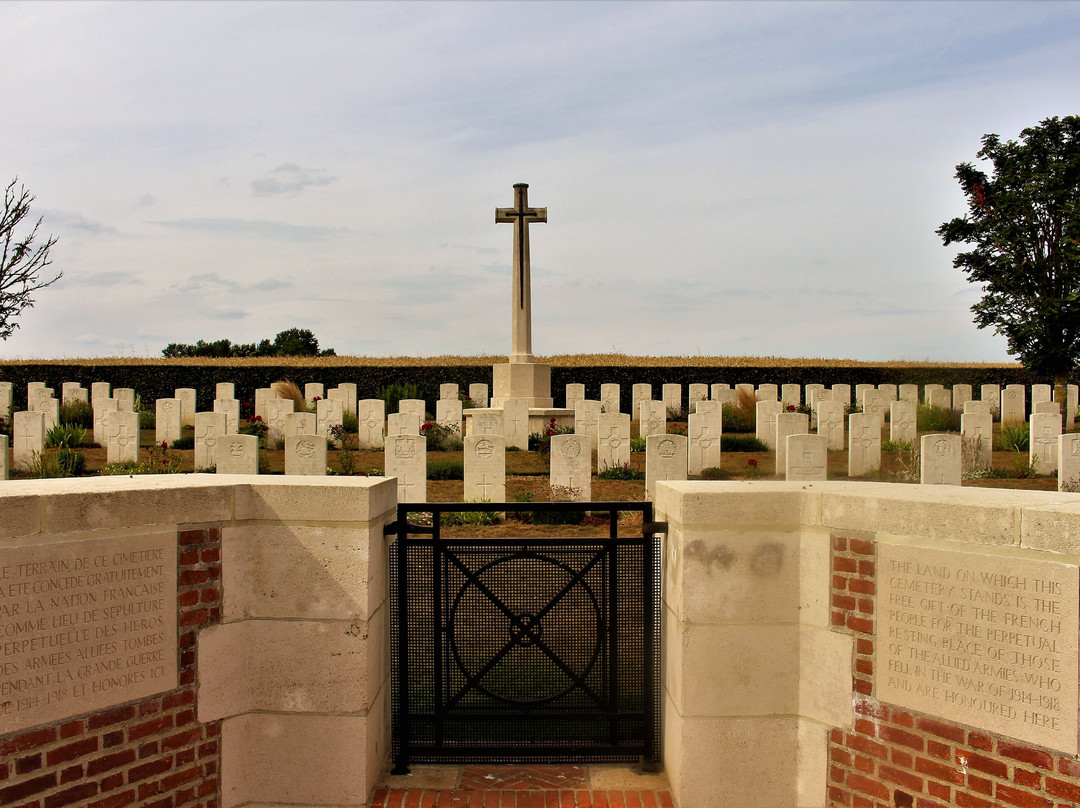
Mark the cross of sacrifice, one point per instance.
(522, 216)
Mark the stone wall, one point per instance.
(237, 671)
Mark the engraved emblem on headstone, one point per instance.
(571, 449)
(167, 406)
(942, 448)
(236, 448)
(485, 449)
(404, 450)
(666, 449)
(305, 448)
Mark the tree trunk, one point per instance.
(1061, 381)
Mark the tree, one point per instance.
(1024, 220)
(291, 342)
(21, 262)
(296, 342)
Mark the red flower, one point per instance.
(165, 444)
(752, 461)
(791, 408)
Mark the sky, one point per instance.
(721, 178)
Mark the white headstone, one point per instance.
(1041, 392)
(125, 398)
(50, 408)
(571, 467)
(703, 432)
(842, 393)
(237, 454)
(448, 413)
(652, 418)
(102, 406)
(230, 408)
(1013, 405)
(1046, 406)
(210, 427)
(766, 422)
(977, 431)
(639, 392)
(6, 399)
(487, 423)
(306, 454)
(186, 397)
(830, 423)
(745, 390)
(875, 403)
(574, 394)
(938, 397)
(666, 458)
(224, 390)
(909, 392)
(27, 437)
(479, 395)
(672, 396)
(402, 423)
(312, 391)
(99, 390)
(448, 391)
(1043, 441)
(864, 444)
(262, 395)
(1071, 395)
(695, 393)
(903, 421)
(960, 394)
(1069, 462)
(587, 419)
(371, 422)
(788, 423)
(347, 394)
(609, 398)
(4, 473)
(80, 394)
(167, 420)
(67, 391)
(940, 458)
(717, 391)
(811, 391)
(406, 459)
(704, 407)
(301, 423)
(807, 458)
(613, 444)
(122, 436)
(860, 392)
(416, 406)
(276, 410)
(485, 468)
(928, 388)
(767, 392)
(976, 406)
(328, 414)
(515, 414)
(991, 394)
(791, 394)
(890, 390)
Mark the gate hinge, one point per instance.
(655, 527)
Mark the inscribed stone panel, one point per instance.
(515, 413)
(928, 388)
(766, 422)
(671, 394)
(479, 395)
(903, 424)
(975, 406)
(571, 468)
(807, 457)
(991, 394)
(609, 398)
(891, 391)
(485, 468)
(186, 397)
(80, 394)
(50, 408)
(305, 455)
(301, 423)
(708, 407)
(830, 423)
(415, 406)
(448, 391)
(28, 437)
(788, 423)
(371, 420)
(587, 419)
(99, 390)
(121, 437)
(276, 410)
(875, 403)
(1043, 441)
(860, 392)
(977, 430)
(652, 418)
(67, 393)
(665, 459)
(406, 459)
(980, 639)
(842, 393)
(574, 394)
(1069, 462)
(703, 432)
(940, 459)
(811, 391)
(348, 396)
(939, 397)
(314, 390)
(638, 393)
(237, 454)
(716, 391)
(167, 420)
(1013, 405)
(613, 441)
(487, 423)
(230, 408)
(107, 609)
(864, 444)
(210, 427)
(1046, 406)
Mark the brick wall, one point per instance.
(893, 758)
(152, 753)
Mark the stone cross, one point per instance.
(522, 216)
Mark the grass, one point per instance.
(1013, 438)
(66, 435)
(741, 443)
(291, 391)
(446, 470)
(620, 471)
(937, 419)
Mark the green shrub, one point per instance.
(541, 441)
(441, 438)
(476, 518)
(620, 471)
(937, 419)
(155, 460)
(349, 422)
(572, 516)
(79, 413)
(892, 446)
(65, 435)
(186, 442)
(446, 470)
(1013, 438)
(392, 394)
(60, 463)
(637, 444)
(715, 473)
(741, 443)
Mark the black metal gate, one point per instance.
(524, 649)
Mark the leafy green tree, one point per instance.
(21, 262)
(1024, 222)
(296, 342)
(291, 342)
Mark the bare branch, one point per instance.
(21, 262)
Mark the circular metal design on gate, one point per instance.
(532, 642)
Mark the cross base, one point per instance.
(528, 380)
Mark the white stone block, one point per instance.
(6, 399)
(928, 388)
(974, 406)
(891, 391)
(167, 420)
(671, 394)
(613, 442)
(766, 422)
(788, 423)
(263, 395)
(695, 393)
(864, 444)
(717, 391)
(67, 391)
(638, 393)
(1069, 462)
(571, 467)
(874, 402)
(609, 398)
(703, 431)
(406, 459)
(449, 413)
(487, 423)
(977, 431)
(960, 394)
(276, 410)
(102, 406)
(812, 391)
(210, 427)
(347, 394)
(515, 414)
(306, 454)
(328, 414)
(1046, 406)
(574, 394)
(415, 406)
(1041, 392)
(908, 392)
(50, 408)
(652, 418)
(125, 398)
(806, 458)
(991, 394)
(745, 390)
(937, 397)
(230, 408)
(587, 419)
(791, 394)
(186, 397)
(1071, 395)
(830, 423)
(301, 423)
(666, 458)
(767, 392)
(448, 391)
(224, 390)
(479, 394)
(940, 459)
(99, 390)
(121, 436)
(860, 392)
(237, 454)
(27, 437)
(1013, 404)
(842, 393)
(371, 422)
(708, 407)
(314, 390)
(1043, 442)
(402, 423)
(903, 421)
(4, 473)
(485, 468)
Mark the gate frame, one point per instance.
(401, 528)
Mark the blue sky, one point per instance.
(721, 178)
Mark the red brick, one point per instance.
(938, 750)
(181, 778)
(211, 555)
(838, 619)
(194, 536)
(184, 757)
(868, 568)
(864, 764)
(187, 677)
(980, 741)
(839, 582)
(182, 739)
(864, 646)
(980, 784)
(82, 791)
(178, 699)
(1023, 777)
(836, 735)
(111, 717)
(150, 749)
(922, 802)
(872, 748)
(939, 790)
(207, 787)
(862, 587)
(861, 802)
(5, 770)
(941, 729)
(864, 687)
(1035, 757)
(71, 729)
(27, 741)
(862, 624)
(73, 750)
(110, 739)
(151, 727)
(115, 800)
(843, 601)
(193, 577)
(861, 546)
(1069, 767)
(148, 790)
(844, 564)
(71, 774)
(840, 756)
(903, 719)
(210, 595)
(868, 786)
(1023, 799)
(901, 778)
(144, 770)
(838, 796)
(27, 764)
(104, 764)
(187, 558)
(872, 708)
(1059, 788)
(967, 801)
(864, 727)
(939, 771)
(982, 763)
(864, 666)
(196, 617)
(185, 717)
(894, 735)
(839, 543)
(866, 606)
(149, 707)
(27, 788)
(902, 758)
(189, 598)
